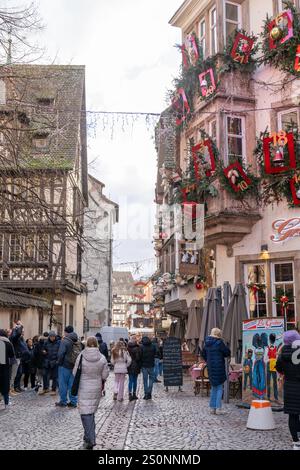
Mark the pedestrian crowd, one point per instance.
(76, 369)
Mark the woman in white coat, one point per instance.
(121, 359)
(94, 370)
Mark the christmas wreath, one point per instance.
(277, 156)
(281, 40)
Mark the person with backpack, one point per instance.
(69, 350)
(135, 367)
(102, 345)
(148, 354)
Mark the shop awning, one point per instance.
(177, 308)
(12, 298)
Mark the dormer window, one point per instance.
(45, 101)
(41, 141)
(2, 92)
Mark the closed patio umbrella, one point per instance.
(194, 325)
(212, 313)
(227, 294)
(233, 322)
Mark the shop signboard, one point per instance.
(172, 362)
(262, 339)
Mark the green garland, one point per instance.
(230, 64)
(200, 188)
(283, 57)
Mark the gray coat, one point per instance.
(94, 371)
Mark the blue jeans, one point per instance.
(216, 396)
(132, 383)
(50, 374)
(160, 367)
(65, 382)
(149, 379)
(156, 368)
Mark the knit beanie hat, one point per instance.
(290, 336)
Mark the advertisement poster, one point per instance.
(262, 339)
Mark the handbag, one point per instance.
(76, 381)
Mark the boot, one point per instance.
(130, 397)
(134, 396)
(115, 396)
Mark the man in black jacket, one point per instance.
(20, 348)
(102, 345)
(69, 349)
(148, 353)
(50, 370)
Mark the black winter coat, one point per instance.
(148, 355)
(18, 342)
(135, 354)
(287, 364)
(39, 356)
(214, 354)
(51, 348)
(4, 368)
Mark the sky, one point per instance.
(128, 49)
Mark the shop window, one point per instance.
(213, 31)
(289, 120)
(71, 315)
(283, 283)
(202, 39)
(14, 317)
(41, 322)
(257, 295)
(232, 18)
(235, 131)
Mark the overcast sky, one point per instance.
(128, 49)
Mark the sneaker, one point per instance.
(13, 393)
(213, 411)
(157, 381)
(60, 404)
(71, 405)
(53, 393)
(296, 446)
(135, 397)
(44, 392)
(220, 411)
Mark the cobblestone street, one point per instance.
(172, 420)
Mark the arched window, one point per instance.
(2, 92)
